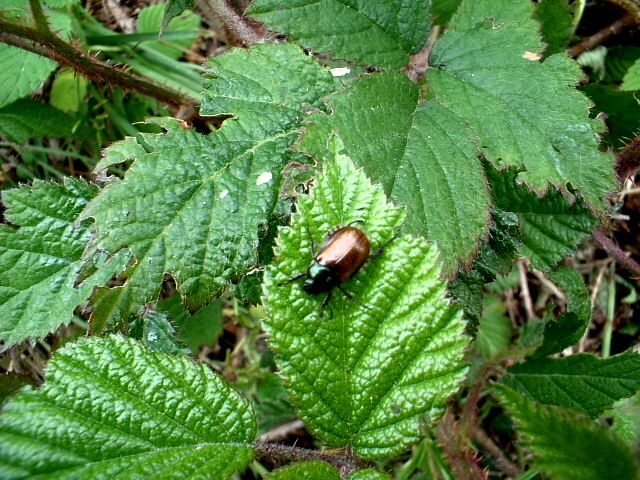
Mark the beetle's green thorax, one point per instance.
(320, 278)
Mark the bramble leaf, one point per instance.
(417, 150)
(112, 409)
(582, 382)
(550, 227)
(564, 443)
(545, 130)
(40, 256)
(195, 205)
(380, 33)
(370, 370)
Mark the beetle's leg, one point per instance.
(351, 297)
(295, 277)
(325, 302)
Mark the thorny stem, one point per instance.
(44, 42)
(237, 27)
(614, 249)
(346, 463)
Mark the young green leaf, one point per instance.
(369, 474)
(582, 382)
(550, 227)
(314, 470)
(417, 150)
(546, 130)
(112, 409)
(193, 204)
(365, 371)
(379, 33)
(566, 445)
(40, 259)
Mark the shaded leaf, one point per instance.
(21, 72)
(380, 33)
(498, 93)
(417, 151)
(582, 382)
(550, 227)
(194, 205)
(564, 443)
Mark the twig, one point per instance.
(614, 249)
(550, 285)
(346, 462)
(588, 43)
(524, 289)
(238, 28)
(51, 46)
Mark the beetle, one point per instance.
(344, 251)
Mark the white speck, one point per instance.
(224, 193)
(152, 337)
(532, 56)
(340, 72)
(264, 177)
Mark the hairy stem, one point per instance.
(236, 26)
(44, 42)
(346, 462)
(614, 249)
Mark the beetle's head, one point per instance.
(319, 279)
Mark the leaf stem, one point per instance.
(346, 463)
(614, 249)
(238, 28)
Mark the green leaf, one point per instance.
(202, 328)
(193, 205)
(557, 20)
(582, 382)
(631, 79)
(545, 130)
(567, 329)
(25, 119)
(314, 470)
(368, 474)
(495, 329)
(21, 72)
(550, 227)
(380, 33)
(40, 255)
(273, 82)
(157, 333)
(173, 8)
(617, 62)
(150, 20)
(568, 446)
(68, 91)
(622, 112)
(443, 10)
(366, 371)
(416, 150)
(112, 409)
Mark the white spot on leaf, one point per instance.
(224, 193)
(532, 56)
(264, 177)
(340, 72)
